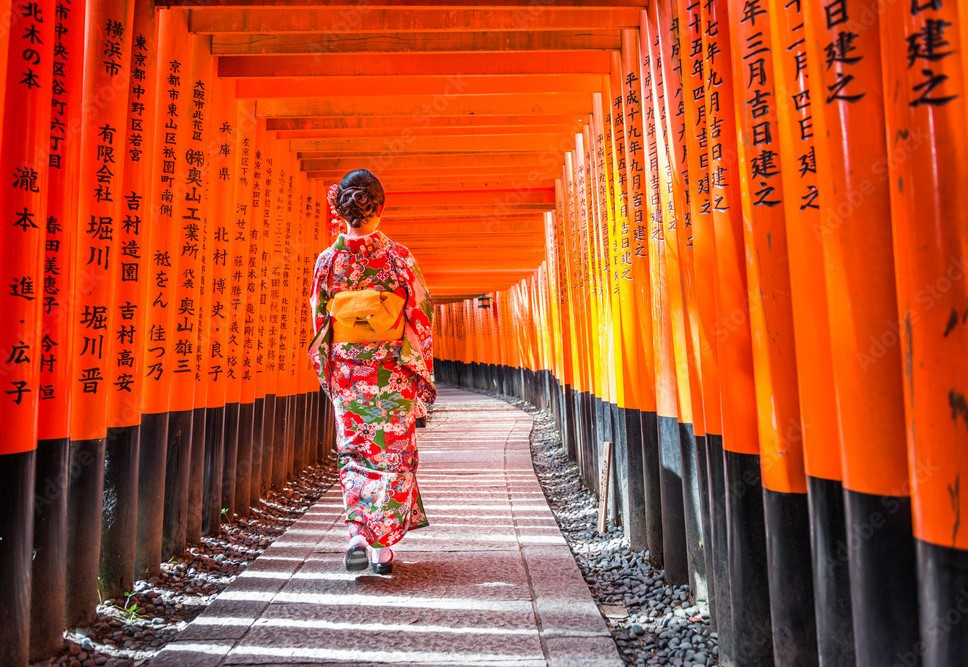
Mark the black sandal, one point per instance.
(383, 568)
(355, 559)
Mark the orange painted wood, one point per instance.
(466, 4)
(240, 232)
(404, 20)
(767, 266)
(626, 103)
(55, 353)
(689, 21)
(855, 228)
(223, 180)
(495, 143)
(512, 127)
(676, 132)
(252, 387)
(26, 126)
(540, 163)
(189, 215)
(107, 57)
(732, 329)
(375, 64)
(342, 86)
(134, 266)
(405, 125)
(417, 106)
(667, 404)
(927, 150)
(811, 325)
(407, 42)
(172, 87)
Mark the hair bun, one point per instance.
(359, 197)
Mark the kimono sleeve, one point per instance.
(418, 348)
(318, 297)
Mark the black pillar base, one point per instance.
(651, 486)
(831, 576)
(675, 555)
(152, 472)
(702, 473)
(177, 478)
(883, 577)
(692, 512)
(48, 589)
(243, 468)
(258, 440)
(230, 462)
(722, 616)
(85, 493)
(16, 542)
(196, 483)
(119, 525)
(212, 470)
(279, 448)
(749, 581)
(269, 444)
(791, 579)
(944, 605)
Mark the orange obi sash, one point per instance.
(367, 316)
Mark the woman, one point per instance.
(373, 354)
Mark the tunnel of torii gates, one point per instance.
(729, 236)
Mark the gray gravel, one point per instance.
(662, 626)
(131, 630)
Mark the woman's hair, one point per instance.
(359, 197)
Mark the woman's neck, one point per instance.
(363, 230)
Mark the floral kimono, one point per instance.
(377, 389)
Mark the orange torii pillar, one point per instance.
(26, 132)
(122, 454)
(144, 178)
(206, 481)
(278, 302)
(258, 286)
(774, 357)
(250, 321)
(221, 417)
(239, 396)
(48, 593)
(818, 408)
(855, 227)
(267, 311)
(674, 549)
(746, 553)
(672, 220)
(170, 312)
(107, 61)
(636, 292)
(686, 21)
(675, 129)
(926, 113)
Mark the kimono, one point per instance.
(377, 389)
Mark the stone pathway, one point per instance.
(490, 582)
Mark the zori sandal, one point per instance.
(355, 558)
(382, 567)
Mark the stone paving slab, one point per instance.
(490, 582)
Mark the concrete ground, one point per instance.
(490, 582)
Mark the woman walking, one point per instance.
(373, 353)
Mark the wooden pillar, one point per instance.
(24, 161)
(107, 62)
(48, 582)
(119, 535)
(240, 389)
(924, 84)
(168, 341)
(687, 22)
(223, 217)
(749, 595)
(255, 303)
(771, 324)
(818, 411)
(848, 125)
